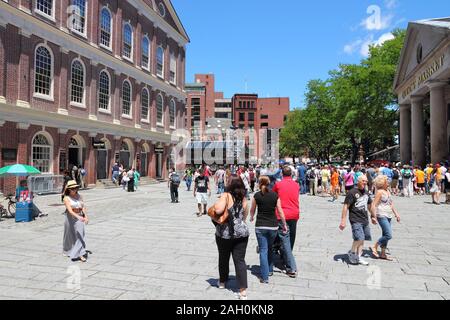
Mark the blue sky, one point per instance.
(276, 47)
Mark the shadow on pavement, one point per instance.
(231, 284)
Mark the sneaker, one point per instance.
(353, 257)
(243, 296)
(292, 274)
(263, 281)
(363, 262)
(221, 285)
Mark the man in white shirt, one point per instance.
(219, 178)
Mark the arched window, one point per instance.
(45, 7)
(128, 41)
(173, 69)
(41, 153)
(159, 109)
(144, 104)
(103, 91)
(77, 82)
(78, 16)
(126, 98)
(172, 112)
(43, 71)
(105, 27)
(160, 62)
(145, 53)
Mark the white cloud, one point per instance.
(391, 4)
(377, 22)
(363, 46)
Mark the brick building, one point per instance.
(90, 82)
(208, 109)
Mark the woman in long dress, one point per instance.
(74, 244)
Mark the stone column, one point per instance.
(405, 133)
(438, 122)
(418, 134)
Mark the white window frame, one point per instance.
(108, 111)
(52, 75)
(132, 42)
(173, 105)
(50, 146)
(160, 124)
(174, 60)
(74, 103)
(41, 13)
(110, 31)
(146, 120)
(86, 14)
(146, 67)
(124, 115)
(160, 75)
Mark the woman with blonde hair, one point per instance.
(266, 201)
(384, 214)
(74, 244)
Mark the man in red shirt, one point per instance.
(288, 192)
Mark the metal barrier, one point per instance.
(45, 184)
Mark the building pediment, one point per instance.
(423, 40)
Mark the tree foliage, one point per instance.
(355, 107)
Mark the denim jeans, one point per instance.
(115, 176)
(385, 224)
(302, 186)
(286, 251)
(188, 183)
(265, 239)
(220, 188)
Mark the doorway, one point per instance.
(143, 169)
(102, 158)
(159, 165)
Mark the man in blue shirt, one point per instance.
(302, 178)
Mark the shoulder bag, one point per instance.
(219, 218)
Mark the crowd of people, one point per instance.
(128, 178)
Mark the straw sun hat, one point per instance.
(72, 184)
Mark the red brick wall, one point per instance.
(2, 60)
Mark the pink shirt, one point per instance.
(288, 191)
(349, 179)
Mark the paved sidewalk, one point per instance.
(144, 247)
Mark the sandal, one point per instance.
(375, 253)
(387, 258)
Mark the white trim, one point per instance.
(49, 97)
(124, 115)
(63, 111)
(163, 13)
(124, 24)
(138, 126)
(104, 111)
(149, 53)
(145, 121)
(93, 117)
(43, 14)
(74, 103)
(2, 99)
(110, 31)
(109, 92)
(43, 30)
(23, 104)
(77, 105)
(51, 146)
(86, 8)
(115, 121)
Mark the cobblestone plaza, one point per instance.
(144, 247)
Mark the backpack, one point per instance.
(395, 175)
(407, 174)
(311, 175)
(175, 179)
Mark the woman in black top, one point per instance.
(266, 225)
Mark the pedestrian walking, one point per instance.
(252, 177)
(447, 187)
(312, 178)
(435, 189)
(357, 206)
(407, 176)
(220, 180)
(266, 226)
(188, 178)
(288, 190)
(395, 179)
(383, 209)
(83, 174)
(115, 173)
(202, 190)
(173, 184)
(349, 180)
(74, 243)
(130, 175)
(137, 178)
(124, 179)
(335, 188)
(232, 237)
(302, 178)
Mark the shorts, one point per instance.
(394, 183)
(202, 198)
(348, 188)
(361, 232)
(421, 185)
